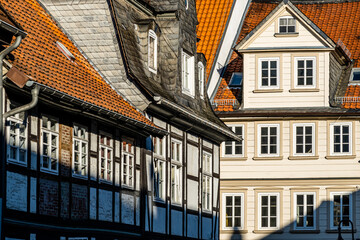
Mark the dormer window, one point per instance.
(188, 74)
(287, 25)
(201, 73)
(236, 80)
(186, 4)
(152, 51)
(355, 75)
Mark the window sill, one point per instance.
(105, 181)
(23, 164)
(80, 176)
(275, 90)
(188, 93)
(153, 70)
(233, 158)
(342, 230)
(159, 200)
(267, 158)
(127, 187)
(295, 34)
(303, 158)
(233, 231)
(275, 231)
(304, 90)
(336, 157)
(305, 231)
(49, 171)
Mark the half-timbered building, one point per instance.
(95, 167)
(289, 87)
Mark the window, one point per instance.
(287, 25)
(106, 157)
(127, 164)
(187, 74)
(340, 209)
(152, 51)
(49, 160)
(355, 75)
(269, 73)
(304, 211)
(234, 148)
(201, 72)
(159, 179)
(233, 211)
(17, 138)
(269, 211)
(341, 138)
(236, 80)
(305, 72)
(268, 140)
(304, 139)
(176, 171)
(80, 151)
(206, 181)
(186, 4)
(77, 238)
(159, 146)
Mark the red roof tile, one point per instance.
(212, 16)
(39, 57)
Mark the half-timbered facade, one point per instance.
(289, 89)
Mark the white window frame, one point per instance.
(152, 35)
(332, 125)
(242, 210)
(277, 154)
(127, 153)
(159, 151)
(81, 141)
(277, 211)
(107, 148)
(233, 143)
(305, 210)
(287, 26)
(176, 181)
(206, 181)
(201, 78)
(50, 133)
(159, 189)
(352, 81)
(295, 125)
(188, 74)
(186, 4)
(296, 60)
(332, 209)
(17, 121)
(260, 60)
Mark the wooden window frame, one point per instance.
(82, 141)
(107, 148)
(294, 195)
(242, 211)
(128, 168)
(51, 133)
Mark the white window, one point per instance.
(206, 181)
(80, 151)
(341, 138)
(186, 4)
(233, 211)
(159, 179)
(17, 139)
(269, 73)
(305, 211)
(187, 75)
(268, 140)
(269, 211)
(176, 171)
(304, 139)
(106, 157)
(49, 160)
(234, 148)
(127, 164)
(305, 68)
(159, 146)
(287, 25)
(355, 75)
(152, 51)
(340, 209)
(201, 73)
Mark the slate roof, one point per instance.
(39, 57)
(339, 20)
(212, 16)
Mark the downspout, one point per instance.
(3, 54)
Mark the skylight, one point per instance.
(236, 80)
(65, 51)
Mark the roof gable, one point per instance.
(306, 36)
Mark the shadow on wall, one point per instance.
(322, 230)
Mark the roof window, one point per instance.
(355, 75)
(65, 51)
(236, 80)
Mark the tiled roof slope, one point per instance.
(339, 20)
(39, 57)
(212, 16)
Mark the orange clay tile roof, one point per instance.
(339, 20)
(212, 16)
(39, 57)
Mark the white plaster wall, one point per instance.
(93, 201)
(206, 228)
(216, 159)
(105, 205)
(192, 194)
(33, 195)
(16, 191)
(117, 207)
(192, 226)
(176, 223)
(159, 219)
(193, 157)
(127, 209)
(137, 211)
